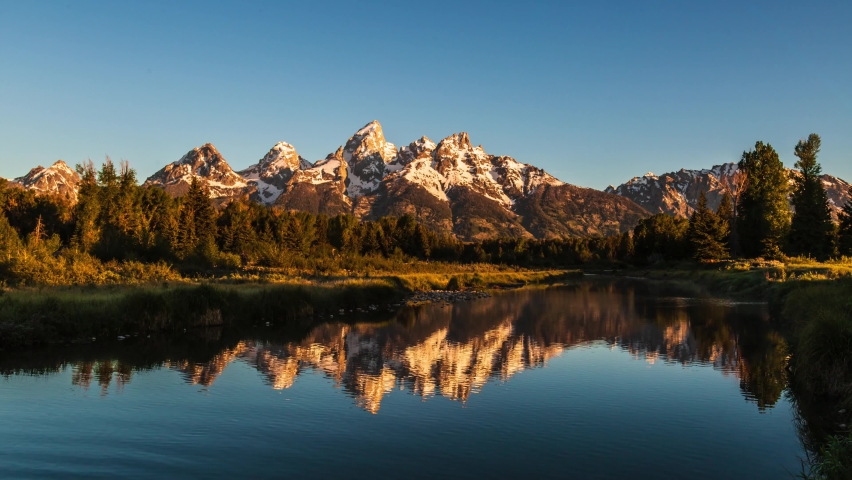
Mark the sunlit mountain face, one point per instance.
(454, 351)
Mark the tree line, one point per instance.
(765, 212)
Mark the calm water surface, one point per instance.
(596, 380)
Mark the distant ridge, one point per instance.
(677, 193)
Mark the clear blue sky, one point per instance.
(594, 92)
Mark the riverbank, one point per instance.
(37, 316)
(812, 303)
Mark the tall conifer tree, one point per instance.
(708, 233)
(763, 214)
(725, 212)
(844, 233)
(87, 213)
(811, 228)
(10, 241)
(203, 212)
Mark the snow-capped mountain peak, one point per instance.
(206, 164)
(677, 193)
(420, 148)
(450, 186)
(58, 178)
(271, 174)
(366, 154)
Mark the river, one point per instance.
(597, 379)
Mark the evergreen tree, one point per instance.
(343, 234)
(708, 233)
(87, 214)
(298, 232)
(763, 214)
(725, 210)
(238, 231)
(625, 246)
(811, 227)
(10, 240)
(120, 215)
(844, 234)
(203, 212)
(726, 215)
(197, 225)
(659, 236)
(159, 214)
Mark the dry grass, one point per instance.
(32, 316)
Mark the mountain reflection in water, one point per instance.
(455, 350)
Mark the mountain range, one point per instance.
(677, 193)
(450, 186)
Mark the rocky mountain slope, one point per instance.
(207, 164)
(271, 174)
(59, 179)
(451, 186)
(677, 193)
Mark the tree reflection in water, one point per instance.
(453, 351)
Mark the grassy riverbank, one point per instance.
(813, 303)
(30, 317)
(819, 317)
(812, 300)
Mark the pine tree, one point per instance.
(844, 233)
(726, 215)
(725, 210)
(203, 212)
(763, 214)
(625, 246)
(734, 185)
(10, 240)
(707, 233)
(811, 227)
(87, 213)
(659, 236)
(197, 225)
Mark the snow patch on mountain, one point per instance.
(206, 164)
(366, 155)
(58, 178)
(677, 193)
(271, 174)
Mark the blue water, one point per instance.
(588, 381)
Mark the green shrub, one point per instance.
(834, 461)
(821, 318)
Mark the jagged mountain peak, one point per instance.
(335, 155)
(208, 150)
(201, 159)
(58, 178)
(367, 154)
(272, 173)
(282, 155)
(368, 141)
(372, 127)
(207, 165)
(420, 148)
(459, 140)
